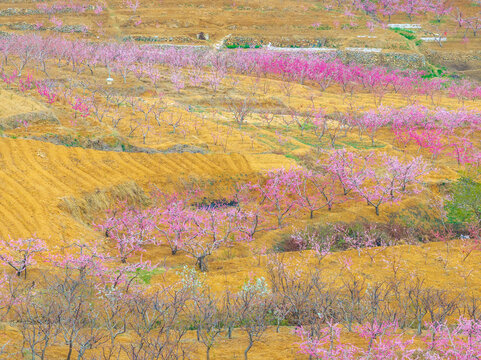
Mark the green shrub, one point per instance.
(464, 205)
(408, 34)
(435, 72)
(242, 46)
(146, 275)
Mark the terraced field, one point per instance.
(240, 179)
(40, 181)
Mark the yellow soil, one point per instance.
(176, 21)
(35, 176)
(55, 191)
(12, 105)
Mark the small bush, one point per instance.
(464, 205)
(433, 73)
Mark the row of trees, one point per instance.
(77, 307)
(469, 20)
(388, 8)
(438, 131)
(212, 67)
(199, 229)
(68, 7)
(462, 341)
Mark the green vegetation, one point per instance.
(320, 27)
(464, 206)
(437, 21)
(242, 46)
(146, 275)
(359, 145)
(304, 141)
(408, 34)
(433, 72)
(293, 157)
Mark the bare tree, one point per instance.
(157, 324)
(294, 291)
(207, 319)
(350, 304)
(73, 293)
(253, 303)
(241, 108)
(415, 292)
(38, 322)
(114, 315)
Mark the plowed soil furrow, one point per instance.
(39, 166)
(134, 164)
(15, 209)
(172, 161)
(35, 176)
(203, 163)
(192, 164)
(67, 169)
(165, 165)
(101, 165)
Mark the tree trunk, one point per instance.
(420, 322)
(248, 347)
(202, 263)
(69, 355)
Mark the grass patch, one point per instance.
(437, 21)
(396, 29)
(433, 72)
(242, 46)
(359, 145)
(146, 275)
(293, 157)
(320, 27)
(304, 141)
(406, 33)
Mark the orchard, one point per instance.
(240, 179)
